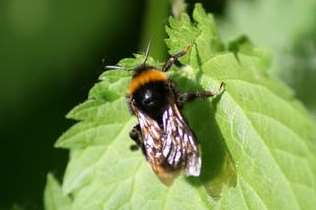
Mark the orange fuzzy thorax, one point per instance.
(146, 77)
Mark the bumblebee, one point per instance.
(163, 135)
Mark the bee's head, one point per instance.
(141, 69)
(149, 89)
(143, 75)
(152, 97)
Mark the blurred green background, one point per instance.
(52, 51)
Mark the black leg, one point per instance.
(136, 136)
(173, 58)
(133, 147)
(183, 98)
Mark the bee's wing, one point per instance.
(152, 136)
(171, 147)
(180, 147)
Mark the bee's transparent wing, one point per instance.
(180, 148)
(170, 146)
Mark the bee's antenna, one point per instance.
(147, 52)
(108, 67)
(112, 67)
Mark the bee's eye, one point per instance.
(148, 101)
(151, 98)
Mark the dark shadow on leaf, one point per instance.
(200, 72)
(218, 169)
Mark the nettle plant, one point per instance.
(257, 140)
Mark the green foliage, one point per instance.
(54, 198)
(258, 143)
(288, 29)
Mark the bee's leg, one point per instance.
(185, 97)
(173, 58)
(136, 135)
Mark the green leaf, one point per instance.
(258, 143)
(54, 198)
(202, 34)
(288, 29)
